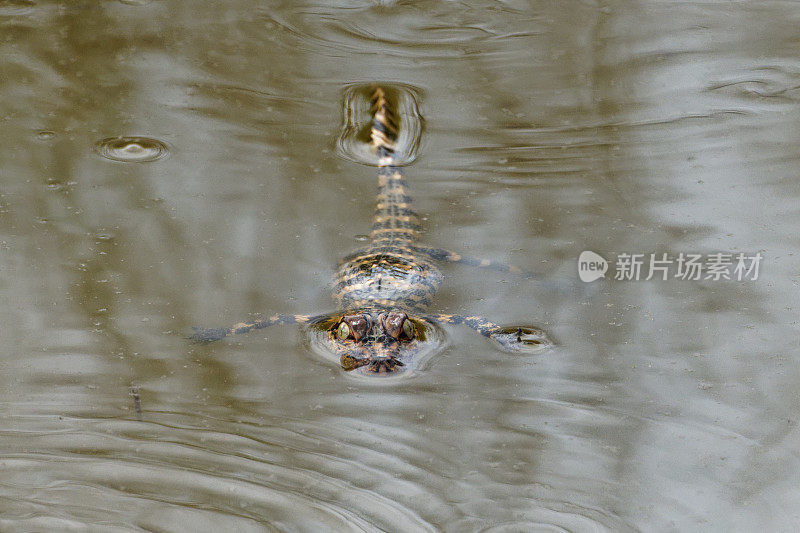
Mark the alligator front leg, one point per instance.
(446, 256)
(557, 284)
(205, 335)
(526, 339)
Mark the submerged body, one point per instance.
(391, 272)
(383, 291)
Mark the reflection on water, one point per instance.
(550, 129)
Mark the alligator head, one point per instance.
(375, 342)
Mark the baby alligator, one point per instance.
(383, 290)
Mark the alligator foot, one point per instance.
(521, 339)
(206, 335)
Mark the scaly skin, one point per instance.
(383, 291)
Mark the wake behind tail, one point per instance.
(395, 221)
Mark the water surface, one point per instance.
(550, 128)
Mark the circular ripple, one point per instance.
(153, 474)
(132, 149)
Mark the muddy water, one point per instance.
(550, 128)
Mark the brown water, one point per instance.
(550, 128)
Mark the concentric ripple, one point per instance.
(154, 474)
(353, 142)
(132, 149)
(577, 519)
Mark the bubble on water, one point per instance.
(45, 135)
(354, 140)
(132, 149)
(361, 237)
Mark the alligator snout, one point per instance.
(378, 353)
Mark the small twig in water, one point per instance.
(137, 404)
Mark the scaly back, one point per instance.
(395, 222)
(389, 274)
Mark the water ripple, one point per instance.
(770, 82)
(237, 481)
(445, 31)
(353, 141)
(132, 149)
(17, 8)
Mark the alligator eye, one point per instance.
(409, 329)
(343, 331)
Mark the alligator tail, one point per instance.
(383, 133)
(395, 222)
